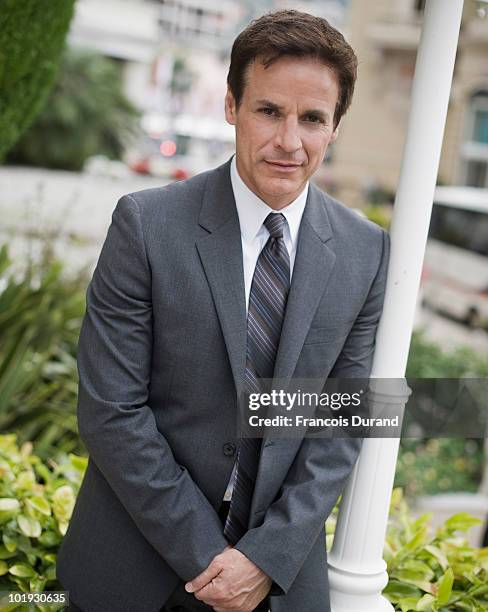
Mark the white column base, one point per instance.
(375, 603)
(357, 591)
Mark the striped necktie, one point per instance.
(267, 303)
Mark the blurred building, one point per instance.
(124, 30)
(154, 40)
(175, 57)
(200, 23)
(176, 52)
(385, 34)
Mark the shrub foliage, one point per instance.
(87, 114)
(433, 573)
(32, 34)
(40, 318)
(36, 503)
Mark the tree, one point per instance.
(32, 35)
(87, 114)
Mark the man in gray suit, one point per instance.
(203, 288)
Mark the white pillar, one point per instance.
(357, 571)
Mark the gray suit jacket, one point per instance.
(161, 358)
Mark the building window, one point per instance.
(480, 131)
(419, 6)
(474, 151)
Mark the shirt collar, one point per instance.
(253, 211)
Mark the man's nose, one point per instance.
(287, 136)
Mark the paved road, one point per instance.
(450, 334)
(72, 209)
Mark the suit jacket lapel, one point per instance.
(221, 256)
(313, 264)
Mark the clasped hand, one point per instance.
(231, 583)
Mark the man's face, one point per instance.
(283, 126)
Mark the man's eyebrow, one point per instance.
(314, 111)
(265, 102)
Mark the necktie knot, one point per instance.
(275, 223)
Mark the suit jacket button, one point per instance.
(229, 449)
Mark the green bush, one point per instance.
(379, 214)
(430, 466)
(426, 359)
(427, 467)
(87, 114)
(32, 34)
(430, 573)
(36, 503)
(437, 573)
(40, 318)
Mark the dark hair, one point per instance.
(293, 33)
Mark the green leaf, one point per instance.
(481, 589)
(49, 538)
(418, 539)
(3, 568)
(26, 480)
(22, 570)
(422, 520)
(437, 554)
(398, 589)
(10, 542)
(8, 504)
(24, 544)
(80, 463)
(63, 527)
(50, 573)
(29, 526)
(462, 522)
(396, 496)
(407, 603)
(63, 500)
(418, 579)
(6, 554)
(424, 604)
(6, 472)
(37, 584)
(445, 587)
(40, 504)
(422, 570)
(43, 472)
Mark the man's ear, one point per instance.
(230, 107)
(335, 133)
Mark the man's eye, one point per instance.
(313, 119)
(268, 111)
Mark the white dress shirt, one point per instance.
(252, 212)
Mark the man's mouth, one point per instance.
(283, 166)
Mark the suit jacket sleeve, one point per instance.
(321, 467)
(116, 423)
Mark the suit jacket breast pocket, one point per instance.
(319, 352)
(331, 330)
